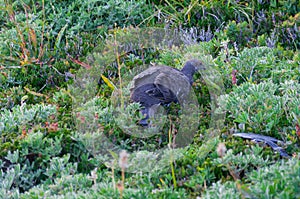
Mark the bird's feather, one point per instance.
(162, 85)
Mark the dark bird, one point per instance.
(161, 85)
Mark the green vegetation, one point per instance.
(60, 83)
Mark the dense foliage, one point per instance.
(48, 145)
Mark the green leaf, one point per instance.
(108, 82)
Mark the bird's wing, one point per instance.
(172, 84)
(146, 77)
(162, 93)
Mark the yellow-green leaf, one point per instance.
(108, 82)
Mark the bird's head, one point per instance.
(192, 66)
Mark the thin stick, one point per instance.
(119, 67)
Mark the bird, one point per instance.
(162, 85)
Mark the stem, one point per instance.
(123, 177)
(173, 175)
(113, 177)
(119, 67)
(121, 194)
(171, 162)
(41, 51)
(123, 182)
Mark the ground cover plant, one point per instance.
(59, 98)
